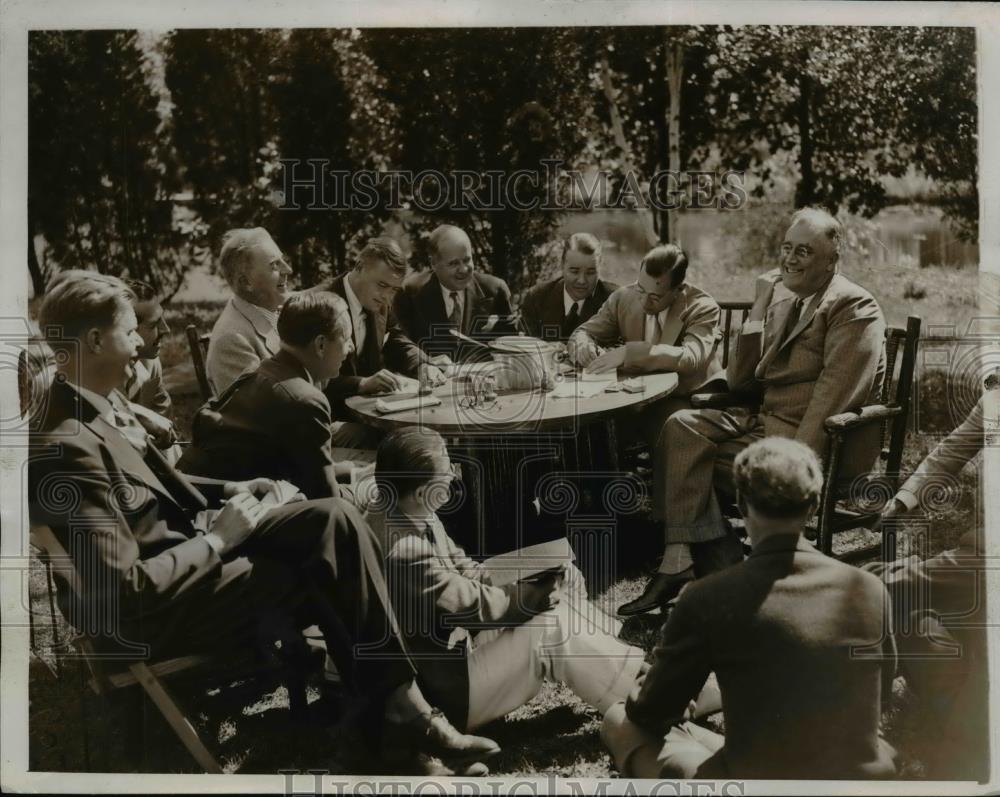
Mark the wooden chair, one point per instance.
(892, 413)
(729, 310)
(198, 343)
(112, 672)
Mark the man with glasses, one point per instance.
(812, 347)
(453, 296)
(381, 349)
(245, 332)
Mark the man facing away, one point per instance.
(274, 421)
(554, 309)
(453, 295)
(482, 651)
(245, 332)
(812, 347)
(798, 641)
(162, 571)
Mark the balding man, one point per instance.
(795, 638)
(812, 347)
(453, 295)
(246, 331)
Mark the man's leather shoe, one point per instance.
(432, 734)
(660, 589)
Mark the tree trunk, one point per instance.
(34, 267)
(805, 193)
(673, 52)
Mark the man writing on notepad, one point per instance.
(483, 650)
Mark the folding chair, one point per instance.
(198, 343)
(109, 673)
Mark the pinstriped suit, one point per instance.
(831, 361)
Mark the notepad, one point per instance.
(527, 562)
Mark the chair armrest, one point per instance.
(872, 414)
(720, 401)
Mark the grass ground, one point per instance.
(555, 733)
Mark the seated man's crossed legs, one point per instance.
(573, 643)
(695, 448)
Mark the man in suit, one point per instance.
(659, 323)
(813, 346)
(481, 650)
(453, 296)
(939, 614)
(144, 385)
(275, 421)
(381, 349)
(245, 333)
(159, 570)
(797, 640)
(554, 309)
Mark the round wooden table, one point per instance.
(509, 446)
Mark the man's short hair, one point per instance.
(666, 259)
(385, 250)
(437, 234)
(144, 292)
(406, 460)
(827, 222)
(779, 477)
(306, 315)
(236, 245)
(584, 243)
(78, 300)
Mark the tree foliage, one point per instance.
(100, 166)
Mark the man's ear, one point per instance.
(319, 344)
(93, 340)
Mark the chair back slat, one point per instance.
(729, 310)
(198, 344)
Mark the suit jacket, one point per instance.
(386, 346)
(543, 310)
(692, 322)
(832, 361)
(240, 339)
(441, 596)
(124, 519)
(272, 421)
(419, 306)
(796, 640)
(147, 389)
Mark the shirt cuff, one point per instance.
(215, 542)
(752, 328)
(907, 498)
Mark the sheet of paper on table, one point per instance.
(526, 562)
(407, 384)
(606, 376)
(460, 370)
(575, 388)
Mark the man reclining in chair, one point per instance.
(813, 346)
(797, 641)
(163, 571)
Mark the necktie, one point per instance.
(130, 427)
(656, 330)
(360, 327)
(792, 320)
(368, 354)
(572, 319)
(456, 311)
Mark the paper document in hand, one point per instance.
(526, 562)
(407, 384)
(281, 494)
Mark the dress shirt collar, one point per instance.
(569, 301)
(446, 293)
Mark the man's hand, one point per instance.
(611, 360)
(159, 428)
(893, 510)
(383, 381)
(763, 290)
(237, 520)
(535, 597)
(255, 487)
(581, 349)
(430, 375)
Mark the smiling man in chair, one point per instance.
(813, 346)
